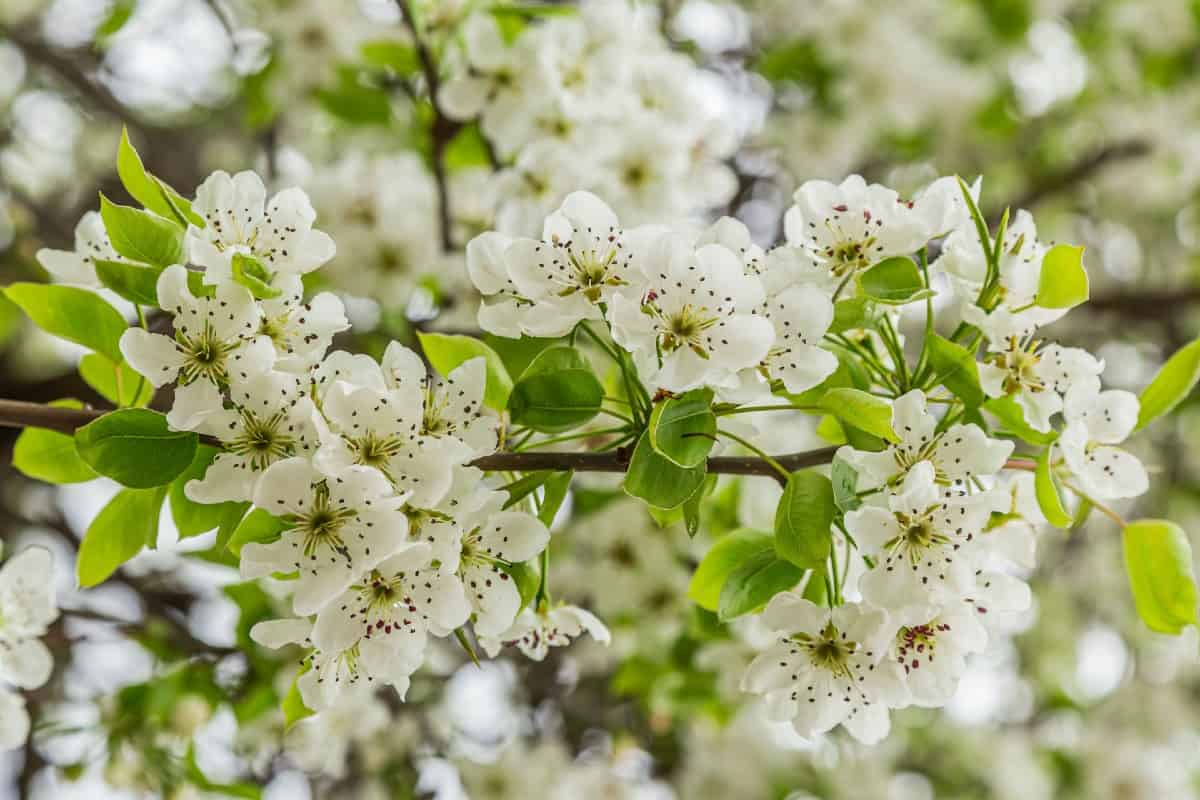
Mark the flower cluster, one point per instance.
(594, 99)
(934, 526)
(27, 607)
(385, 531)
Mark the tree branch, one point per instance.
(20, 414)
(442, 129)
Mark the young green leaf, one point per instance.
(398, 57)
(683, 429)
(557, 392)
(191, 518)
(77, 315)
(294, 709)
(553, 496)
(50, 456)
(758, 579)
(257, 526)
(1063, 281)
(136, 448)
(1158, 559)
(119, 384)
(445, 352)
(525, 485)
(527, 579)
(149, 190)
(956, 369)
(1012, 419)
(118, 533)
(1174, 382)
(804, 518)
(141, 236)
(1046, 489)
(659, 482)
(864, 411)
(851, 314)
(250, 272)
(692, 506)
(845, 484)
(135, 282)
(894, 281)
(726, 555)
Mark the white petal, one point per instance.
(276, 633)
(193, 404)
(286, 487)
(14, 720)
(26, 663)
(152, 355)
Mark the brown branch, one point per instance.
(1075, 173)
(20, 414)
(1152, 304)
(443, 128)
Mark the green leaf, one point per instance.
(1046, 489)
(683, 429)
(136, 448)
(1158, 559)
(1174, 382)
(851, 314)
(804, 518)
(527, 579)
(136, 283)
(149, 190)
(141, 236)
(692, 506)
(658, 481)
(727, 554)
(755, 581)
(1063, 281)
(557, 392)
(956, 369)
(517, 354)
(446, 351)
(894, 281)
(191, 518)
(845, 484)
(119, 384)
(50, 456)
(393, 55)
(354, 100)
(257, 526)
(864, 411)
(77, 315)
(554, 495)
(468, 148)
(525, 485)
(118, 533)
(1012, 418)
(118, 14)
(294, 709)
(250, 272)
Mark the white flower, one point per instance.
(1014, 539)
(693, 324)
(1096, 423)
(496, 76)
(932, 646)
(535, 632)
(340, 527)
(239, 220)
(852, 225)
(330, 674)
(78, 265)
(996, 595)
(27, 607)
(300, 331)
(1037, 375)
(828, 667)
(452, 408)
(398, 602)
(14, 720)
(270, 420)
(580, 262)
(922, 542)
(215, 343)
(957, 454)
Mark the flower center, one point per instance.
(1019, 362)
(830, 650)
(204, 356)
(262, 442)
(321, 528)
(918, 644)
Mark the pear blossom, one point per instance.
(828, 667)
(78, 266)
(956, 454)
(1096, 423)
(14, 720)
(27, 607)
(339, 526)
(300, 331)
(922, 542)
(216, 342)
(932, 647)
(239, 220)
(535, 631)
(694, 323)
